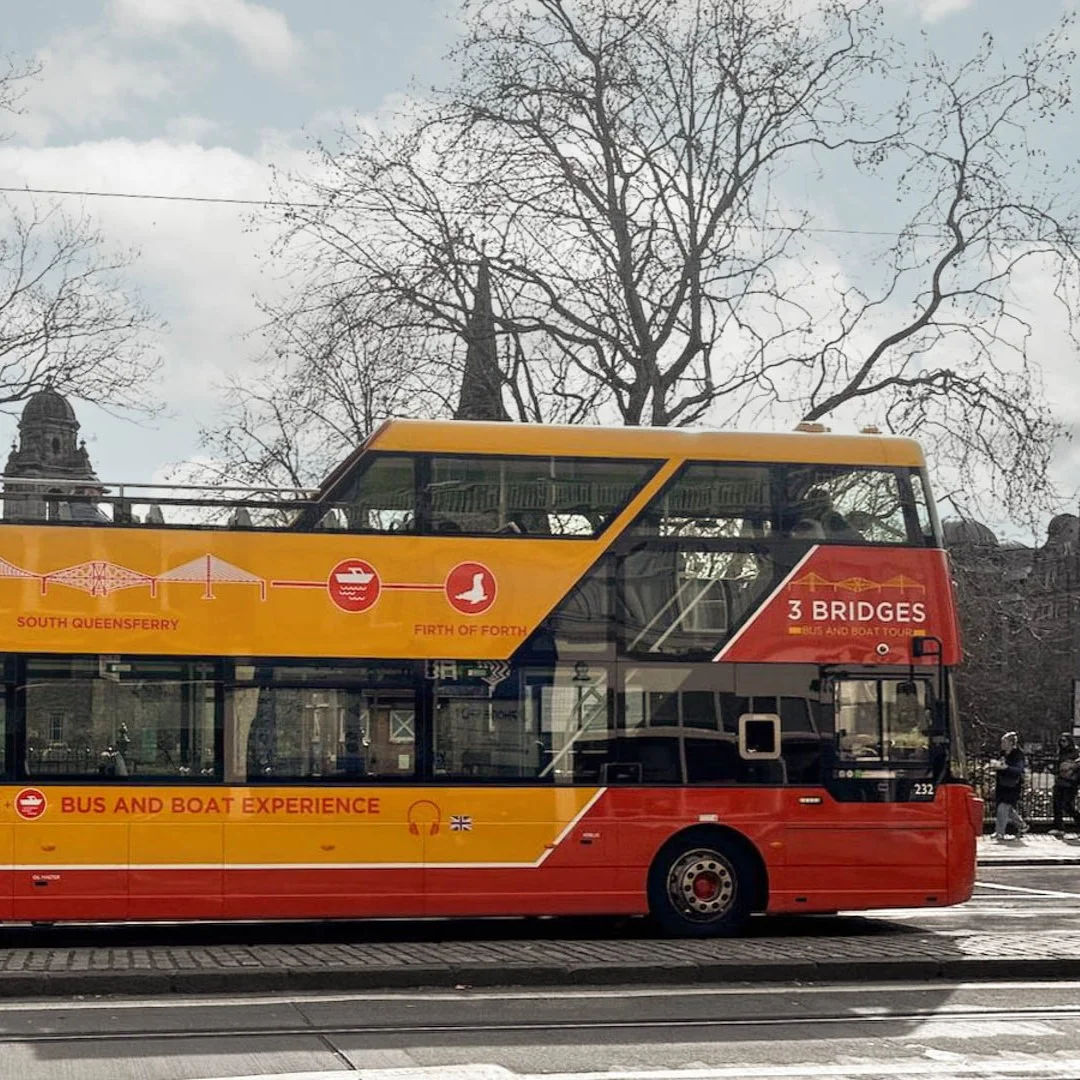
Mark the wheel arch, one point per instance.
(722, 834)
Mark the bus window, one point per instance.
(329, 733)
(925, 511)
(906, 720)
(651, 735)
(582, 620)
(712, 500)
(845, 505)
(530, 496)
(118, 718)
(530, 723)
(883, 719)
(678, 723)
(680, 601)
(382, 498)
(858, 720)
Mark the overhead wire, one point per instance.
(228, 200)
(224, 199)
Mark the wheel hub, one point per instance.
(701, 885)
(706, 886)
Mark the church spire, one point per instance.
(481, 382)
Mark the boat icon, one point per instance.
(32, 801)
(354, 575)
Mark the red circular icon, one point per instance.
(30, 803)
(470, 588)
(354, 585)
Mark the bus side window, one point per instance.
(382, 498)
(545, 723)
(119, 718)
(717, 501)
(842, 504)
(529, 495)
(291, 733)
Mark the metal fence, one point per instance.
(1035, 803)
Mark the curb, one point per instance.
(1035, 860)
(142, 982)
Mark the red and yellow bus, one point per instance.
(488, 669)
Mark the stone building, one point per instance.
(48, 449)
(1020, 617)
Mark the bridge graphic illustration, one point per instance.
(102, 578)
(99, 577)
(814, 582)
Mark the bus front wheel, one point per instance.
(701, 886)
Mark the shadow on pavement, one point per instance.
(126, 935)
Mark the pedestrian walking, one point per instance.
(1066, 781)
(1010, 782)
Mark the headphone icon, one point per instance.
(424, 812)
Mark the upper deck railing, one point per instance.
(64, 501)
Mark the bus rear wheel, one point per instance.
(701, 887)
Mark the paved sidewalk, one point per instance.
(1033, 849)
(187, 959)
(892, 953)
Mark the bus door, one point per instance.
(879, 828)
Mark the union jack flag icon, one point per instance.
(460, 823)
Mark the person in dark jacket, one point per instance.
(1010, 782)
(1066, 781)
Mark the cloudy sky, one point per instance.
(196, 97)
(201, 97)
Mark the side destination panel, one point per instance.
(853, 605)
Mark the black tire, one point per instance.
(701, 886)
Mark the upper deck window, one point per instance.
(381, 498)
(925, 511)
(846, 505)
(840, 504)
(714, 500)
(529, 496)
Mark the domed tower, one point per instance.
(966, 532)
(1063, 534)
(48, 448)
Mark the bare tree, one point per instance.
(625, 167)
(331, 373)
(941, 347)
(67, 318)
(14, 72)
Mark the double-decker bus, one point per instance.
(488, 669)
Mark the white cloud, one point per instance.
(192, 128)
(85, 84)
(933, 10)
(200, 268)
(262, 33)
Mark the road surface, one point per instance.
(929, 1031)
